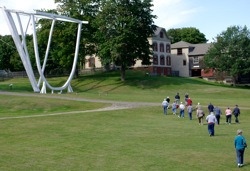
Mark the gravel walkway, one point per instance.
(115, 104)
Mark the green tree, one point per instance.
(62, 46)
(123, 30)
(64, 36)
(231, 52)
(189, 34)
(9, 58)
(85, 10)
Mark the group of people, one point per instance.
(177, 104)
(212, 119)
(199, 111)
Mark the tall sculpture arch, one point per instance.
(20, 43)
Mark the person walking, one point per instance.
(165, 106)
(182, 108)
(177, 98)
(218, 113)
(168, 99)
(186, 98)
(198, 106)
(210, 108)
(211, 120)
(190, 110)
(189, 101)
(240, 144)
(174, 107)
(228, 113)
(236, 113)
(200, 115)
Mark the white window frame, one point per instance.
(196, 59)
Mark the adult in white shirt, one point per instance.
(165, 106)
(211, 120)
(182, 108)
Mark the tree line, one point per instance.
(118, 33)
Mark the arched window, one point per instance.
(155, 59)
(168, 60)
(161, 47)
(155, 47)
(162, 60)
(168, 48)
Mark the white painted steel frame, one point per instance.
(23, 51)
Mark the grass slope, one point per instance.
(140, 139)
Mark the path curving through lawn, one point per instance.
(116, 105)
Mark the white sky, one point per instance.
(211, 17)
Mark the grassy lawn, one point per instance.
(139, 139)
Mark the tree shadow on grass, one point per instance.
(110, 81)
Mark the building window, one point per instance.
(184, 62)
(155, 60)
(162, 61)
(91, 62)
(155, 47)
(161, 47)
(168, 48)
(179, 51)
(161, 34)
(196, 60)
(168, 60)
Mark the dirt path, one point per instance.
(115, 104)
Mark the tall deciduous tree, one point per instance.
(188, 34)
(231, 52)
(123, 30)
(86, 10)
(9, 58)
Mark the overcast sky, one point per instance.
(211, 17)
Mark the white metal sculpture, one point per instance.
(20, 42)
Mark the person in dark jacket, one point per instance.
(168, 99)
(177, 98)
(210, 108)
(217, 113)
(236, 113)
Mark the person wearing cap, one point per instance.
(240, 144)
(165, 106)
(182, 108)
(200, 115)
(236, 113)
(198, 106)
(211, 120)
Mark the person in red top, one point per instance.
(228, 113)
(189, 101)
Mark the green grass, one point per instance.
(140, 139)
(13, 106)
